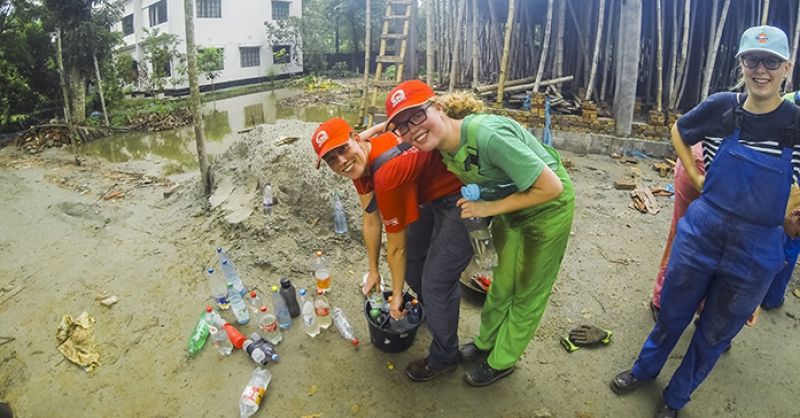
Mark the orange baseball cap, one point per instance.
(333, 133)
(406, 95)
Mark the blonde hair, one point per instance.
(458, 105)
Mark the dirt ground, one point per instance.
(62, 245)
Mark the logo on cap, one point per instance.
(322, 136)
(762, 38)
(398, 97)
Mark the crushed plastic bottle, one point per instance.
(310, 325)
(198, 338)
(259, 350)
(219, 335)
(343, 325)
(254, 392)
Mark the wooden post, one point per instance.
(659, 58)
(506, 45)
(596, 56)
(631, 25)
(462, 6)
(428, 41)
(100, 88)
(543, 58)
(65, 94)
(194, 96)
(558, 66)
(765, 13)
(475, 61)
(368, 42)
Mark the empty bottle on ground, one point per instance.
(236, 337)
(237, 306)
(219, 288)
(323, 310)
(343, 325)
(289, 295)
(267, 200)
(339, 218)
(198, 338)
(480, 235)
(254, 302)
(231, 274)
(281, 311)
(319, 265)
(219, 336)
(268, 324)
(254, 392)
(259, 350)
(310, 325)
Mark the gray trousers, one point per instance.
(437, 251)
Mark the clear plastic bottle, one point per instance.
(267, 200)
(319, 265)
(259, 350)
(343, 325)
(216, 327)
(254, 302)
(232, 275)
(268, 324)
(281, 311)
(310, 325)
(290, 297)
(237, 306)
(323, 310)
(254, 392)
(480, 235)
(219, 290)
(339, 218)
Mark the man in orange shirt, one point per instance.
(427, 243)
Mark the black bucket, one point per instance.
(388, 340)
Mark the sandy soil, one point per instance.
(61, 245)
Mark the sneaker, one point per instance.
(484, 375)
(471, 352)
(625, 382)
(422, 371)
(666, 412)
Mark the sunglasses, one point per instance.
(416, 118)
(770, 63)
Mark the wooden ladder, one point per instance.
(394, 39)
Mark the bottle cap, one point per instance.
(303, 292)
(210, 270)
(274, 288)
(209, 308)
(258, 356)
(355, 342)
(318, 253)
(275, 357)
(320, 292)
(253, 294)
(225, 262)
(263, 308)
(285, 283)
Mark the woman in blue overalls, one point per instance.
(729, 245)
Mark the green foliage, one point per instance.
(161, 53)
(312, 83)
(210, 61)
(339, 70)
(286, 31)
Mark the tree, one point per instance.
(194, 97)
(86, 30)
(211, 62)
(160, 51)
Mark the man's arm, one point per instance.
(372, 228)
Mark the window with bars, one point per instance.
(280, 10)
(127, 25)
(250, 56)
(158, 13)
(281, 54)
(209, 8)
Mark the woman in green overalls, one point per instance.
(530, 227)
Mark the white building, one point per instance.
(235, 26)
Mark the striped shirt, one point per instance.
(761, 132)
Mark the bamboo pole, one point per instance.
(462, 6)
(545, 44)
(506, 45)
(765, 13)
(65, 94)
(100, 89)
(490, 87)
(659, 59)
(791, 83)
(367, 49)
(712, 54)
(428, 41)
(529, 86)
(475, 59)
(681, 65)
(194, 96)
(596, 57)
(558, 66)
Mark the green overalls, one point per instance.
(530, 245)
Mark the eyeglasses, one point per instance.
(416, 118)
(770, 63)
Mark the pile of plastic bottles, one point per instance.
(379, 313)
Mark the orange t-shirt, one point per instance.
(405, 182)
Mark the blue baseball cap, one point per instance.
(767, 39)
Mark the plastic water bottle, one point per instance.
(343, 325)
(267, 200)
(260, 351)
(268, 324)
(254, 392)
(198, 338)
(232, 275)
(219, 290)
(237, 305)
(339, 218)
(219, 336)
(480, 235)
(323, 310)
(289, 295)
(310, 325)
(281, 311)
(254, 302)
(376, 304)
(319, 265)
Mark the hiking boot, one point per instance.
(625, 382)
(422, 371)
(666, 412)
(471, 352)
(484, 374)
